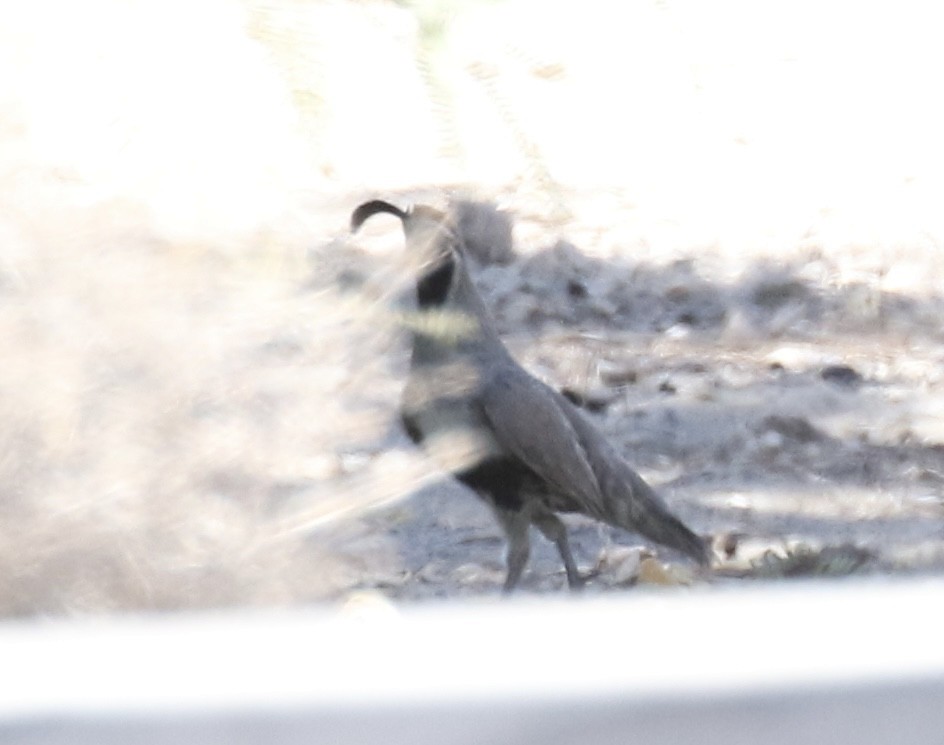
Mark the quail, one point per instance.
(517, 443)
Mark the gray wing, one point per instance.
(529, 421)
(583, 473)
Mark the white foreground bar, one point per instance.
(840, 662)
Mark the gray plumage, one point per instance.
(521, 445)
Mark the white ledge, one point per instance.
(709, 665)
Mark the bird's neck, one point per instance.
(452, 315)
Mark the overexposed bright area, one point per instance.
(201, 369)
(724, 231)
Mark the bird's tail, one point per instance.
(668, 530)
(649, 516)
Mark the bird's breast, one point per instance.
(453, 434)
(440, 407)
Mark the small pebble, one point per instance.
(841, 375)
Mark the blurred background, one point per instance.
(722, 232)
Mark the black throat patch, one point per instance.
(433, 287)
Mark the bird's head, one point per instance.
(432, 241)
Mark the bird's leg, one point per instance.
(516, 525)
(554, 530)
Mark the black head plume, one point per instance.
(430, 236)
(369, 209)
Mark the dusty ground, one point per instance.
(732, 255)
(787, 411)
